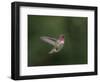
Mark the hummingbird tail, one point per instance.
(52, 51)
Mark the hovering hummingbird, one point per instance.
(56, 43)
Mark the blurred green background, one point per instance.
(75, 47)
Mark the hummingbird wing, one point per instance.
(49, 40)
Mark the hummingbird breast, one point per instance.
(58, 45)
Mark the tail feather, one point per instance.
(52, 51)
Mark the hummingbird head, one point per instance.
(61, 38)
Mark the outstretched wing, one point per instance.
(49, 40)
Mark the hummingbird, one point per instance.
(56, 43)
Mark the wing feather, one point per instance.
(49, 40)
